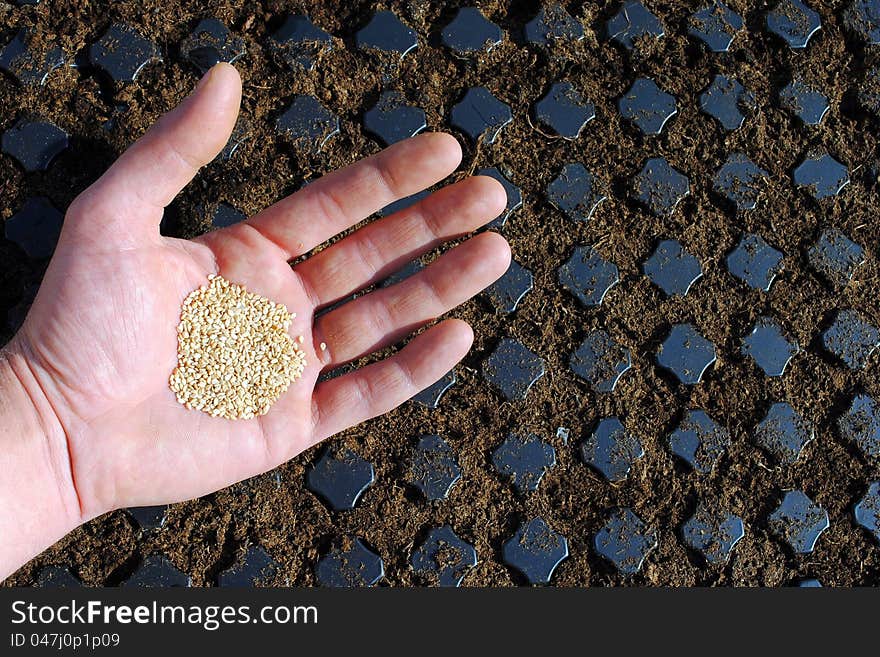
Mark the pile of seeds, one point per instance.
(234, 355)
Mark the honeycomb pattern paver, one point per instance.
(393, 119)
(354, 566)
(122, 52)
(211, 43)
(860, 425)
(822, 176)
(149, 517)
(767, 344)
(672, 269)
(480, 115)
(470, 32)
(300, 42)
(794, 22)
(798, 521)
(513, 369)
(509, 290)
(535, 550)
(588, 276)
(524, 458)
(699, 440)
(686, 354)
(255, 567)
(611, 449)
(434, 469)
(553, 23)
(575, 191)
(56, 577)
(601, 361)
(308, 123)
(564, 110)
(868, 93)
(809, 105)
(867, 511)
(625, 541)
(851, 338)
(633, 22)
(784, 433)
(660, 187)
(340, 476)
(755, 262)
(648, 106)
(28, 62)
(862, 17)
(156, 571)
(713, 533)
(740, 181)
(716, 25)
(444, 558)
(386, 33)
(836, 257)
(34, 144)
(35, 227)
(726, 99)
(431, 396)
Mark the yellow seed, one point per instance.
(235, 357)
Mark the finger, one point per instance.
(380, 248)
(387, 315)
(152, 172)
(378, 388)
(311, 216)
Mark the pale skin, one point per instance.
(88, 423)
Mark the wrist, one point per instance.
(38, 499)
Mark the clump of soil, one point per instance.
(203, 537)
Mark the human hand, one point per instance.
(96, 350)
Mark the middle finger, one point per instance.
(378, 249)
(387, 315)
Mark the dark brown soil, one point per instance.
(276, 511)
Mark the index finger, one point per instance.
(339, 200)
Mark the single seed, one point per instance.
(323, 346)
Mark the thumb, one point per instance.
(148, 176)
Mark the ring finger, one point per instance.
(387, 315)
(376, 250)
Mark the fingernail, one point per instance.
(205, 78)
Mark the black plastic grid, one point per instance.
(754, 251)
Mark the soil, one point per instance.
(276, 511)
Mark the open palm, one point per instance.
(101, 335)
